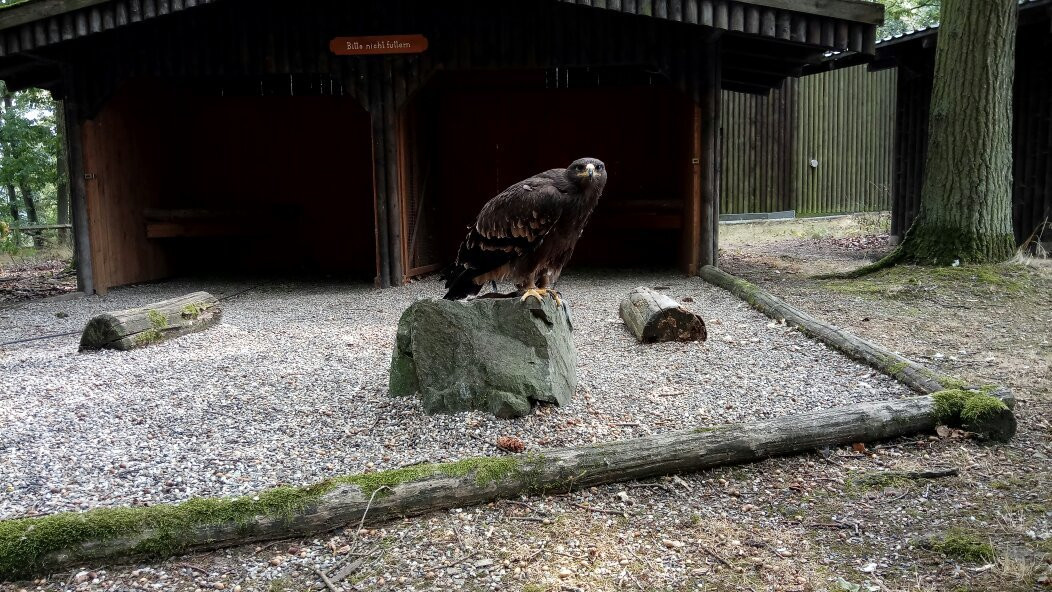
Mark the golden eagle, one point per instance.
(527, 232)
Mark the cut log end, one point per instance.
(652, 317)
(160, 321)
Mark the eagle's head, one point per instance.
(587, 172)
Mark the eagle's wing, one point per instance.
(511, 225)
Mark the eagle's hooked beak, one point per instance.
(590, 169)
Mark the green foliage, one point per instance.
(28, 169)
(157, 319)
(147, 337)
(192, 311)
(903, 16)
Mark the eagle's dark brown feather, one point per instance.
(527, 232)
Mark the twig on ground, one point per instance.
(933, 474)
(461, 560)
(715, 555)
(361, 523)
(194, 568)
(600, 510)
(537, 552)
(653, 485)
(324, 579)
(836, 525)
(526, 518)
(485, 441)
(338, 575)
(518, 503)
(265, 547)
(831, 461)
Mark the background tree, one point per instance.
(903, 16)
(28, 147)
(966, 201)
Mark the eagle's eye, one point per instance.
(600, 167)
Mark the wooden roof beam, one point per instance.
(848, 10)
(21, 14)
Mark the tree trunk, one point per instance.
(12, 197)
(12, 203)
(966, 208)
(40, 545)
(31, 214)
(62, 181)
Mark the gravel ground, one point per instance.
(291, 388)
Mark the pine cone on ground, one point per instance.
(511, 444)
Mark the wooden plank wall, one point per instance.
(844, 119)
(846, 122)
(758, 134)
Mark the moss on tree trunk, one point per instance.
(965, 211)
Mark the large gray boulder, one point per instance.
(490, 354)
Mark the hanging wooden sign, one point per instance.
(378, 44)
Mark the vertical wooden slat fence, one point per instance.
(770, 143)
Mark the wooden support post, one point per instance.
(374, 80)
(78, 195)
(387, 185)
(692, 212)
(710, 162)
(394, 189)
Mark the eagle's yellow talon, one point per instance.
(538, 293)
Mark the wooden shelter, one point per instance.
(914, 56)
(242, 134)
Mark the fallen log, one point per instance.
(160, 321)
(652, 317)
(910, 373)
(40, 545)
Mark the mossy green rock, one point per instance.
(491, 354)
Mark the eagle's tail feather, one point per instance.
(460, 283)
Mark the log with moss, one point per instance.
(652, 317)
(160, 321)
(910, 373)
(40, 545)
